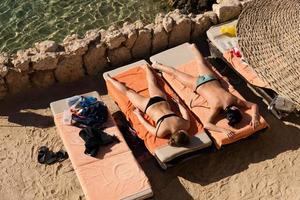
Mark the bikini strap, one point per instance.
(160, 120)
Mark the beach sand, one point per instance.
(265, 166)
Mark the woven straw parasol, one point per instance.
(269, 38)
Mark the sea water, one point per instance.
(24, 22)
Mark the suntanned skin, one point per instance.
(169, 125)
(217, 98)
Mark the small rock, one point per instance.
(130, 32)
(4, 62)
(22, 59)
(17, 81)
(201, 24)
(168, 23)
(3, 71)
(160, 39)
(4, 59)
(212, 16)
(95, 59)
(142, 45)
(181, 31)
(69, 68)
(92, 36)
(227, 9)
(44, 61)
(159, 18)
(74, 45)
(119, 56)
(43, 78)
(3, 88)
(114, 39)
(47, 46)
(138, 24)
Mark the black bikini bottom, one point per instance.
(154, 100)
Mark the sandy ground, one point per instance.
(265, 166)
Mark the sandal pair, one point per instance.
(45, 156)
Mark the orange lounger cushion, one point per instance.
(135, 78)
(242, 130)
(113, 173)
(244, 69)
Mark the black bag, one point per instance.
(94, 115)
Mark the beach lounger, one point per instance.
(113, 173)
(134, 77)
(221, 46)
(182, 58)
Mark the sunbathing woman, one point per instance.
(158, 109)
(219, 100)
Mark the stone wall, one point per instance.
(49, 62)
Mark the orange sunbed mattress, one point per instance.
(135, 78)
(244, 69)
(242, 130)
(113, 174)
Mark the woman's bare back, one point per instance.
(215, 95)
(168, 125)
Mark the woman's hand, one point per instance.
(228, 132)
(255, 121)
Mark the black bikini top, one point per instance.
(161, 119)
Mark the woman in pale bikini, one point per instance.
(158, 109)
(219, 100)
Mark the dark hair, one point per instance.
(233, 115)
(179, 138)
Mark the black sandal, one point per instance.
(45, 156)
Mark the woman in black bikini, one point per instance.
(158, 109)
(219, 100)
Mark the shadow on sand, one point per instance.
(20, 108)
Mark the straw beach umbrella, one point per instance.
(269, 38)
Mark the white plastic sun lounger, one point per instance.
(113, 173)
(133, 76)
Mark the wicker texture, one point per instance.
(269, 37)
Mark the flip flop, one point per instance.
(45, 156)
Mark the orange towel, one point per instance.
(243, 129)
(112, 174)
(135, 78)
(245, 70)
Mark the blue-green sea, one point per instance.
(24, 22)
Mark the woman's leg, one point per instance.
(137, 100)
(185, 79)
(153, 88)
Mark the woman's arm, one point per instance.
(212, 127)
(254, 109)
(183, 111)
(148, 126)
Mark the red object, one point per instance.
(235, 51)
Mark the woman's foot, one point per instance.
(162, 68)
(120, 86)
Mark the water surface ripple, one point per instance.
(24, 22)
